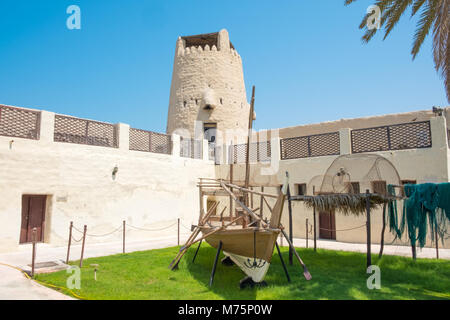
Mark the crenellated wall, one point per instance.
(207, 87)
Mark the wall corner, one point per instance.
(345, 141)
(47, 126)
(123, 136)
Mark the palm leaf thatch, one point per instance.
(434, 16)
(347, 204)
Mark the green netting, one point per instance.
(393, 215)
(425, 205)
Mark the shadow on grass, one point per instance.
(335, 275)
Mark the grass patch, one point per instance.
(335, 275)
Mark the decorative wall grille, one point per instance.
(326, 144)
(20, 123)
(259, 152)
(412, 135)
(190, 148)
(148, 141)
(82, 131)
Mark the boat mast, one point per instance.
(247, 155)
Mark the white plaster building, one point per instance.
(55, 169)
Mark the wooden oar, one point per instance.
(305, 270)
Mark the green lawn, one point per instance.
(335, 275)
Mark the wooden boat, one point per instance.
(249, 247)
(244, 236)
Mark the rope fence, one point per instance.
(332, 230)
(121, 228)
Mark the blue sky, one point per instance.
(305, 58)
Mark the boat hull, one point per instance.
(250, 250)
(254, 268)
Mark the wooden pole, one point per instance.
(314, 217)
(70, 242)
(306, 273)
(369, 254)
(436, 239)
(306, 232)
(123, 240)
(82, 245)
(33, 254)
(178, 241)
(382, 231)
(261, 203)
(291, 250)
(231, 199)
(247, 156)
(200, 192)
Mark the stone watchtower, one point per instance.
(208, 89)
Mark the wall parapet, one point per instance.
(149, 141)
(19, 122)
(325, 144)
(83, 131)
(413, 135)
(259, 152)
(191, 148)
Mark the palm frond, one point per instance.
(345, 203)
(435, 13)
(394, 13)
(416, 6)
(427, 19)
(441, 41)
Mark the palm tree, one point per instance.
(434, 15)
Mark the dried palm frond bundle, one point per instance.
(345, 203)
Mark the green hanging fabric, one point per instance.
(393, 214)
(425, 204)
(444, 198)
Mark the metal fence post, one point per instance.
(369, 254)
(33, 256)
(123, 240)
(306, 232)
(82, 246)
(70, 242)
(178, 231)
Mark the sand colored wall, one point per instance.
(357, 123)
(423, 165)
(207, 76)
(150, 190)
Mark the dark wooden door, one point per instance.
(327, 225)
(33, 216)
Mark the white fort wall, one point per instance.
(422, 165)
(150, 190)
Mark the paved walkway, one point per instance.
(362, 247)
(14, 285)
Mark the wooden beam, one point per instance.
(243, 206)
